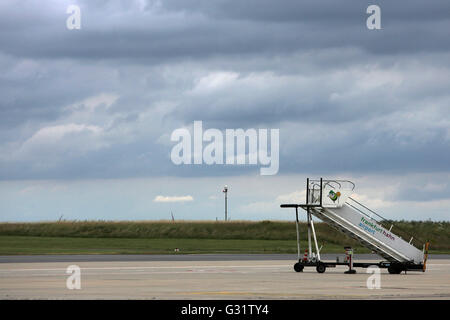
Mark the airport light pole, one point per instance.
(225, 190)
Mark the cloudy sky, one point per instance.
(86, 115)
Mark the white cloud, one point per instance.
(214, 81)
(53, 134)
(91, 103)
(293, 197)
(52, 144)
(260, 206)
(372, 202)
(173, 199)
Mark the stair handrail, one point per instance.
(407, 234)
(382, 218)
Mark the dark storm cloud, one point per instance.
(31, 90)
(102, 101)
(356, 152)
(322, 10)
(174, 30)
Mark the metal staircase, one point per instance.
(330, 201)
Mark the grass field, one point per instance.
(162, 237)
(12, 245)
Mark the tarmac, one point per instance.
(224, 277)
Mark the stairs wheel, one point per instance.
(394, 270)
(298, 267)
(321, 268)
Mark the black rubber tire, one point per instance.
(394, 270)
(321, 268)
(298, 267)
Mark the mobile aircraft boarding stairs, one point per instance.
(330, 201)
